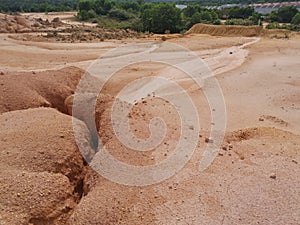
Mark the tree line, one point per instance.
(157, 17)
(37, 5)
(163, 17)
(166, 17)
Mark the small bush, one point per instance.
(242, 22)
(296, 19)
(273, 25)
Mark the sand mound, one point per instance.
(240, 31)
(35, 89)
(41, 168)
(226, 30)
(16, 24)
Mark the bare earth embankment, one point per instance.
(253, 180)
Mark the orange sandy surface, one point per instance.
(254, 178)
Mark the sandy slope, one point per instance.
(253, 180)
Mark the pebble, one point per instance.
(208, 140)
(273, 176)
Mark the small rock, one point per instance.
(1, 73)
(18, 194)
(294, 161)
(261, 119)
(273, 176)
(208, 140)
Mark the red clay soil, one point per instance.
(42, 170)
(23, 90)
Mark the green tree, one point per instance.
(286, 14)
(161, 17)
(255, 18)
(190, 10)
(84, 5)
(119, 14)
(102, 7)
(273, 25)
(83, 15)
(196, 18)
(132, 6)
(98, 7)
(296, 19)
(240, 12)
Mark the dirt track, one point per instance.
(253, 179)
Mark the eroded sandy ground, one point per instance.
(253, 180)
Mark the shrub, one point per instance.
(242, 22)
(273, 25)
(119, 14)
(296, 19)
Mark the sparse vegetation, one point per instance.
(288, 16)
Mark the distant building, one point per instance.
(230, 6)
(269, 7)
(260, 8)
